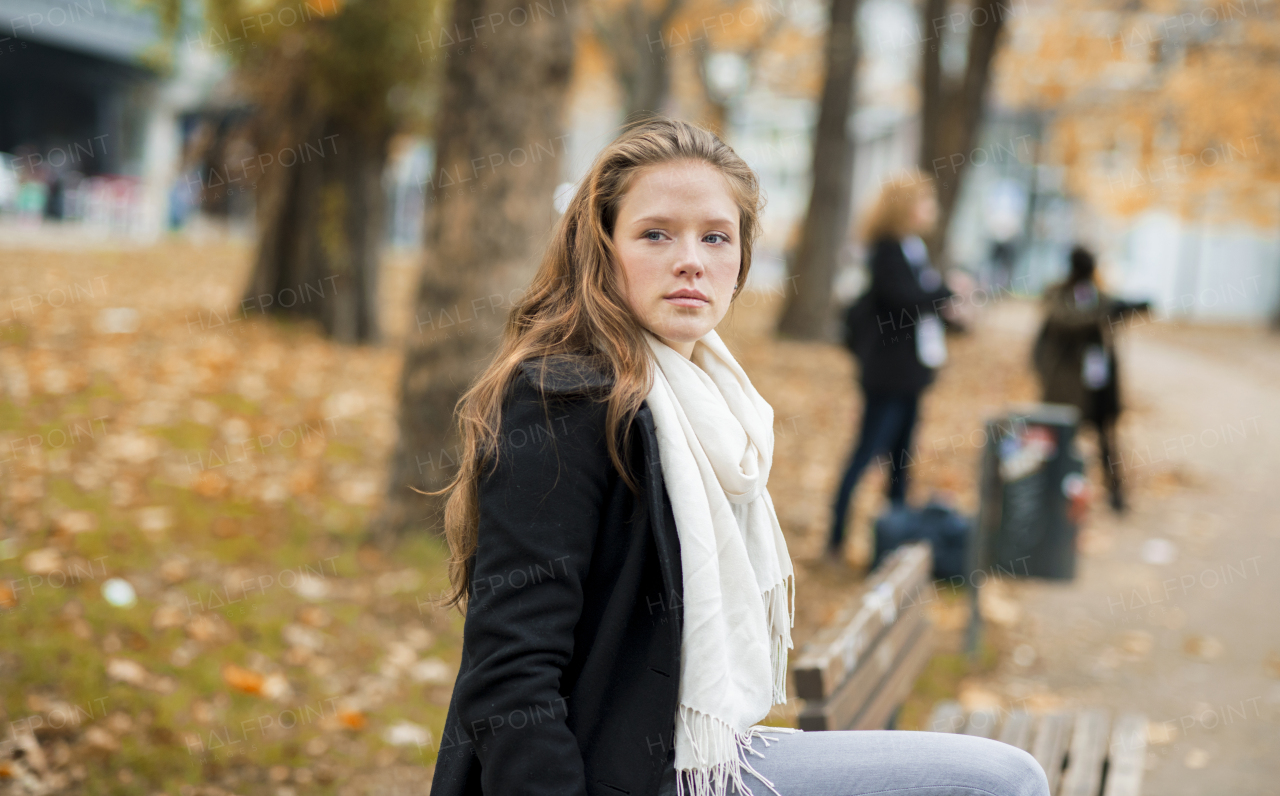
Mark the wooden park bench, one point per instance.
(1083, 753)
(860, 667)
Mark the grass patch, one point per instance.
(343, 452)
(10, 416)
(101, 387)
(186, 435)
(235, 402)
(15, 333)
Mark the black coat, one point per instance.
(571, 648)
(889, 364)
(1058, 354)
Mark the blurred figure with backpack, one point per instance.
(1075, 358)
(894, 331)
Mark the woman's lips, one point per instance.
(688, 301)
(685, 297)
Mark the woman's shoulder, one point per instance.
(569, 390)
(566, 375)
(555, 406)
(885, 247)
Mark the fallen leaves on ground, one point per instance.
(225, 472)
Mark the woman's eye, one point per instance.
(652, 232)
(723, 238)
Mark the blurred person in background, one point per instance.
(9, 184)
(1003, 256)
(1075, 358)
(33, 187)
(55, 197)
(896, 333)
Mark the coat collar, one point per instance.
(662, 520)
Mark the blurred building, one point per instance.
(92, 111)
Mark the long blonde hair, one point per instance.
(575, 306)
(891, 215)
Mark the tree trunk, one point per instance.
(320, 206)
(716, 109)
(952, 110)
(930, 82)
(498, 161)
(807, 314)
(638, 43)
(650, 82)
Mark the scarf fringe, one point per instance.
(778, 602)
(713, 739)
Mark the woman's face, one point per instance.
(677, 240)
(924, 214)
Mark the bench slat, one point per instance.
(835, 652)
(851, 699)
(947, 716)
(1089, 737)
(1017, 730)
(982, 723)
(1050, 746)
(1098, 756)
(1128, 756)
(895, 690)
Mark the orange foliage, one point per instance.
(785, 59)
(1154, 105)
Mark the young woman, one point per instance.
(627, 586)
(902, 344)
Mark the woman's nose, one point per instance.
(689, 261)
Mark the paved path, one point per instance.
(1193, 642)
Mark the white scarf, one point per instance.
(715, 442)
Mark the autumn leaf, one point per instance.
(225, 528)
(210, 484)
(243, 680)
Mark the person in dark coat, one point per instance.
(572, 640)
(1075, 358)
(898, 337)
(568, 520)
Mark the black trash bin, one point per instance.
(1031, 473)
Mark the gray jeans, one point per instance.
(871, 762)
